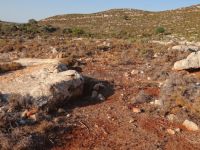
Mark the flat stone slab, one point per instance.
(34, 61)
(43, 84)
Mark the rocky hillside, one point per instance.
(62, 87)
(133, 23)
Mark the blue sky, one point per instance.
(22, 10)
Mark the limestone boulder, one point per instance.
(43, 85)
(191, 62)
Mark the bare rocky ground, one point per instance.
(132, 98)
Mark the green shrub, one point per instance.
(67, 31)
(7, 28)
(28, 28)
(32, 21)
(49, 29)
(77, 31)
(160, 30)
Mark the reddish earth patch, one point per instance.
(112, 125)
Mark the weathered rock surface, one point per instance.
(185, 48)
(44, 85)
(191, 62)
(34, 61)
(190, 125)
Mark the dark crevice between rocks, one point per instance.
(193, 70)
(103, 88)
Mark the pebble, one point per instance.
(171, 117)
(24, 114)
(134, 72)
(68, 115)
(178, 130)
(131, 120)
(142, 72)
(191, 126)
(94, 94)
(101, 97)
(61, 110)
(98, 86)
(136, 110)
(158, 102)
(109, 117)
(22, 122)
(34, 117)
(170, 131)
(58, 120)
(126, 74)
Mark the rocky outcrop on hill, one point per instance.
(191, 62)
(186, 48)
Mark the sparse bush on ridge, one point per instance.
(32, 21)
(77, 31)
(49, 29)
(7, 28)
(67, 31)
(160, 30)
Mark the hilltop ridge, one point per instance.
(133, 23)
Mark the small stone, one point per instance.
(131, 120)
(171, 117)
(134, 72)
(178, 130)
(126, 74)
(158, 102)
(155, 55)
(198, 84)
(170, 131)
(68, 115)
(191, 126)
(101, 97)
(24, 114)
(160, 84)
(34, 117)
(136, 110)
(61, 110)
(142, 72)
(109, 117)
(148, 78)
(94, 94)
(152, 103)
(98, 86)
(22, 122)
(58, 120)
(135, 126)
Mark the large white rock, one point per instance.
(191, 62)
(45, 84)
(190, 125)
